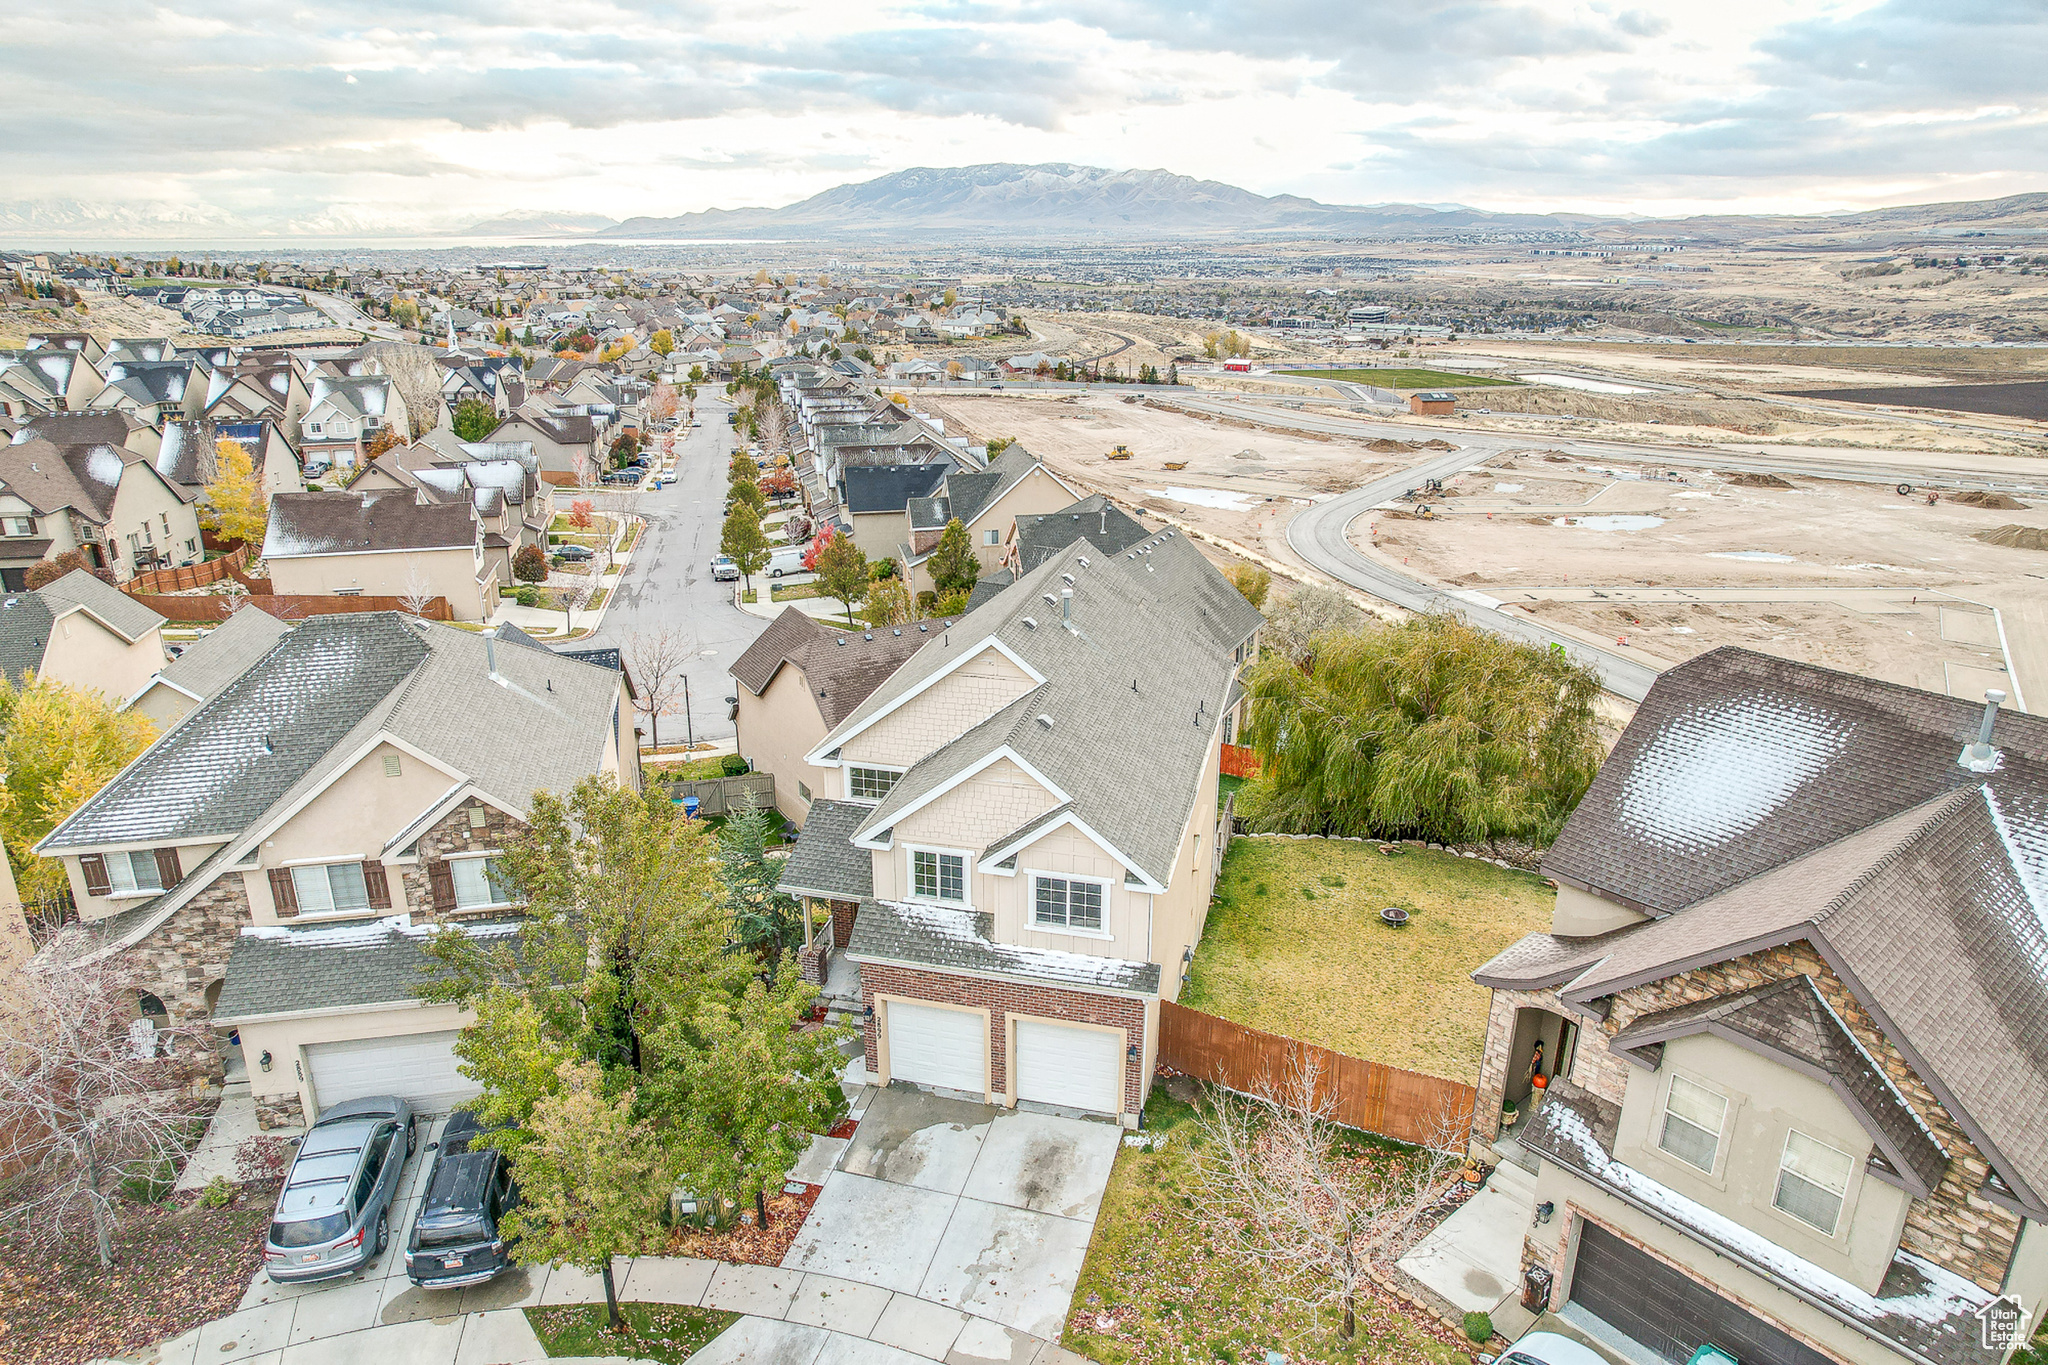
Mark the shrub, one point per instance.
(879, 569)
(530, 565)
(44, 572)
(732, 765)
(1479, 1327)
(219, 1193)
(527, 596)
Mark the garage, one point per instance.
(1075, 1068)
(1666, 1310)
(936, 1046)
(420, 1067)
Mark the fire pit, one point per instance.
(1394, 917)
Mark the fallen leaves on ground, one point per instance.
(745, 1243)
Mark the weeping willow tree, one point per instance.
(1429, 729)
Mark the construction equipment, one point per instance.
(1120, 452)
(1176, 464)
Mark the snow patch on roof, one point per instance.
(959, 925)
(371, 933)
(1714, 775)
(103, 464)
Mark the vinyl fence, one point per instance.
(1405, 1105)
(718, 795)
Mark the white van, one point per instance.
(787, 559)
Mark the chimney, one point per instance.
(1067, 608)
(1981, 757)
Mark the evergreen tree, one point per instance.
(473, 419)
(765, 922)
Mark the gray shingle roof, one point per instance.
(283, 970)
(1737, 762)
(381, 519)
(888, 487)
(123, 614)
(1094, 518)
(936, 936)
(24, 634)
(823, 863)
(225, 652)
(1134, 691)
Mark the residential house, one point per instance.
(343, 415)
(498, 384)
(94, 426)
(82, 632)
(54, 380)
(1038, 537)
(567, 446)
(875, 501)
(1020, 845)
(988, 502)
(274, 862)
(83, 343)
(108, 501)
(1793, 1020)
(189, 456)
(154, 391)
(206, 666)
(268, 385)
(798, 680)
(381, 543)
(514, 506)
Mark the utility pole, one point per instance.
(689, 724)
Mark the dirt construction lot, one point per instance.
(1851, 576)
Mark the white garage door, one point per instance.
(933, 1046)
(419, 1067)
(1076, 1068)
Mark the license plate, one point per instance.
(451, 1263)
(310, 1256)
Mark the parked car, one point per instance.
(455, 1239)
(333, 1215)
(315, 468)
(618, 477)
(786, 559)
(724, 570)
(575, 554)
(1550, 1348)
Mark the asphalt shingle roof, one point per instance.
(889, 487)
(381, 519)
(126, 616)
(841, 666)
(225, 653)
(823, 863)
(280, 970)
(938, 936)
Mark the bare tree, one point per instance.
(416, 375)
(661, 402)
(574, 594)
(416, 594)
(1283, 1189)
(89, 1095)
(654, 661)
(1304, 613)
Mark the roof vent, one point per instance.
(839, 640)
(922, 628)
(1068, 579)
(868, 636)
(1045, 720)
(1067, 608)
(1082, 560)
(1050, 600)
(897, 631)
(1981, 757)
(1031, 623)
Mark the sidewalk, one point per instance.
(546, 623)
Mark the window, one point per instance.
(480, 882)
(330, 889)
(869, 784)
(130, 874)
(992, 536)
(938, 876)
(803, 790)
(1692, 1123)
(1813, 1178)
(1062, 903)
(18, 526)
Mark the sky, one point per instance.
(406, 115)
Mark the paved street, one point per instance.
(668, 583)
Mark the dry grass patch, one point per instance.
(1295, 946)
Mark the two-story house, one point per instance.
(53, 379)
(274, 861)
(343, 415)
(384, 542)
(82, 632)
(500, 481)
(108, 501)
(1787, 1039)
(1021, 839)
(801, 677)
(988, 502)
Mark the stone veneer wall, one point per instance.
(1002, 998)
(1955, 1226)
(451, 834)
(180, 958)
(280, 1111)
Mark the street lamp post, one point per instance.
(689, 724)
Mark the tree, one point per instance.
(416, 375)
(621, 933)
(758, 1085)
(89, 1096)
(530, 565)
(843, 573)
(44, 572)
(1172, 372)
(576, 592)
(662, 343)
(765, 921)
(744, 542)
(236, 507)
(591, 1179)
(953, 566)
(661, 401)
(998, 444)
(1430, 729)
(746, 493)
(697, 375)
(416, 594)
(1251, 581)
(742, 468)
(809, 561)
(59, 744)
(579, 513)
(387, 438)
(1306, 612)
(474, 419)
(889, 603)
(654, 660)
(1282, 1187)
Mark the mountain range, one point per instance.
(1002, 200)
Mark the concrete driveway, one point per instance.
(982, 1209)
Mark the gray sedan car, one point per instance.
(332, 1217)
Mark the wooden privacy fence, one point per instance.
(189, 576)
(718, 795)
(1387, 1100)
(213, 609)
(1240, 761)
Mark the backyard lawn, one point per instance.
(1295, 946)
(1157, 1288)
(1408, 378)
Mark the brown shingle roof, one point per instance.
(383, 519)
(842, 666)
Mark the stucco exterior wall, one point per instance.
(880, 534)
(147, 513)
(163, 704)
(83, 653)
(776, 730)
(942, 713)
(290, 1078)
(451, 573)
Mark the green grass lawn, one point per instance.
(1408, 379)
(1225, 785)
(1156, 1287)
(666, 1332)
(1295, 946)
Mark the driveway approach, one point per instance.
(981, 1209)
